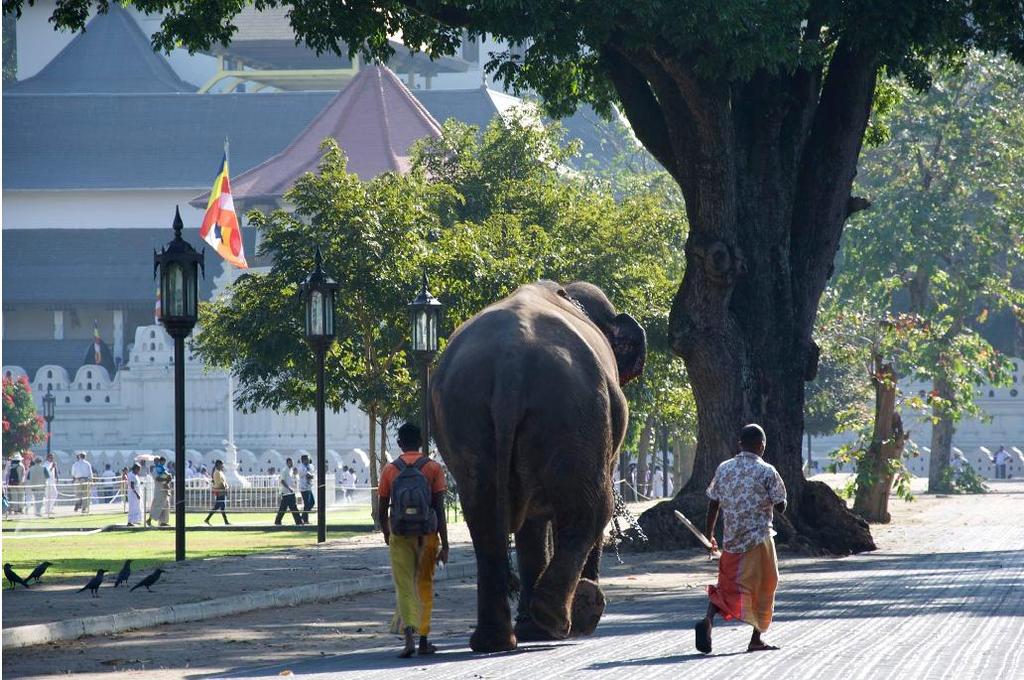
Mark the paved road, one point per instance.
(952, 607)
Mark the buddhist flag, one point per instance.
(220, 224)
(97, 353)
(156, 307)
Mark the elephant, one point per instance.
(528, 413)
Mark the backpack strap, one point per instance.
(399, 463)
(423, 460)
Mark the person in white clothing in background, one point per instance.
(81, 473)
(50, 477)
(134, 492)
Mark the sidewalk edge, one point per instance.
(119, 622)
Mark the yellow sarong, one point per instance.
(412, 567)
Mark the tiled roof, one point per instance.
(92, 266)
(375, 119)
(137, 141)
(111, 55)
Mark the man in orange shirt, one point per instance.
(412, 516)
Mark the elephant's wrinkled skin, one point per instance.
(528, 414)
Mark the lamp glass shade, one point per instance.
(179, 284)
(48, 405)
(424, 329)
(315, 314)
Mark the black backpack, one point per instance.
(411, 512)
(14, 476)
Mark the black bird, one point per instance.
(94, 583)
(122, 576)
(148, 581)
(38, 572)
(12, 577)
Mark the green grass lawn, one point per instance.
(356, 515)
(81, 555)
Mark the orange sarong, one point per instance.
(746, 585)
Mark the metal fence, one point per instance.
(101, 495)
(264, 495)
(108, 495)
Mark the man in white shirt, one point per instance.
(748, 491)
(81, 474)
(1001, 458)
(306, 474)
(286, 484)
(50, 494)
(348, 481)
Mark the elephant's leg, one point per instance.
(532, 554)
(577, 530)
(494, 618)
(588, 600)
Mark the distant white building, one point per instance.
(134, 410)
(976, 439)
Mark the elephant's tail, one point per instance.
(505, 414)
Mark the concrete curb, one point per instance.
(119, 622)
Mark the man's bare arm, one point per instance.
(442, 525)
(383, 508)
(712, 519)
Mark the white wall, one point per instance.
(135, 410)
(114, 209)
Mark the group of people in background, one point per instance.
(652, 483)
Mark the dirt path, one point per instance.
(294, 636)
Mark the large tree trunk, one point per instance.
(942, 441)
(766, 169)
(874, 472)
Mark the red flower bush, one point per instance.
(22, 426)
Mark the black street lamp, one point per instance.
(49, 404)
(318, 290)
(425, 318)
(179, 264)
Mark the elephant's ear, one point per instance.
(629, 343)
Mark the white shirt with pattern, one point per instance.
(747, 489)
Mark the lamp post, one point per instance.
(318, 290)
(425, 318)
(49, 403)
(179, 264)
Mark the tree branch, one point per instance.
(640, 106)
(827, 168)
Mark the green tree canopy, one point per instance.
(483, 215)
(945, 237)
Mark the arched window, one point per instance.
(106, 399)
(49, 386)
(88, 374)
(49, 374)
(152, 334)
(88, 386)
(67, 400)
(152, 346)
